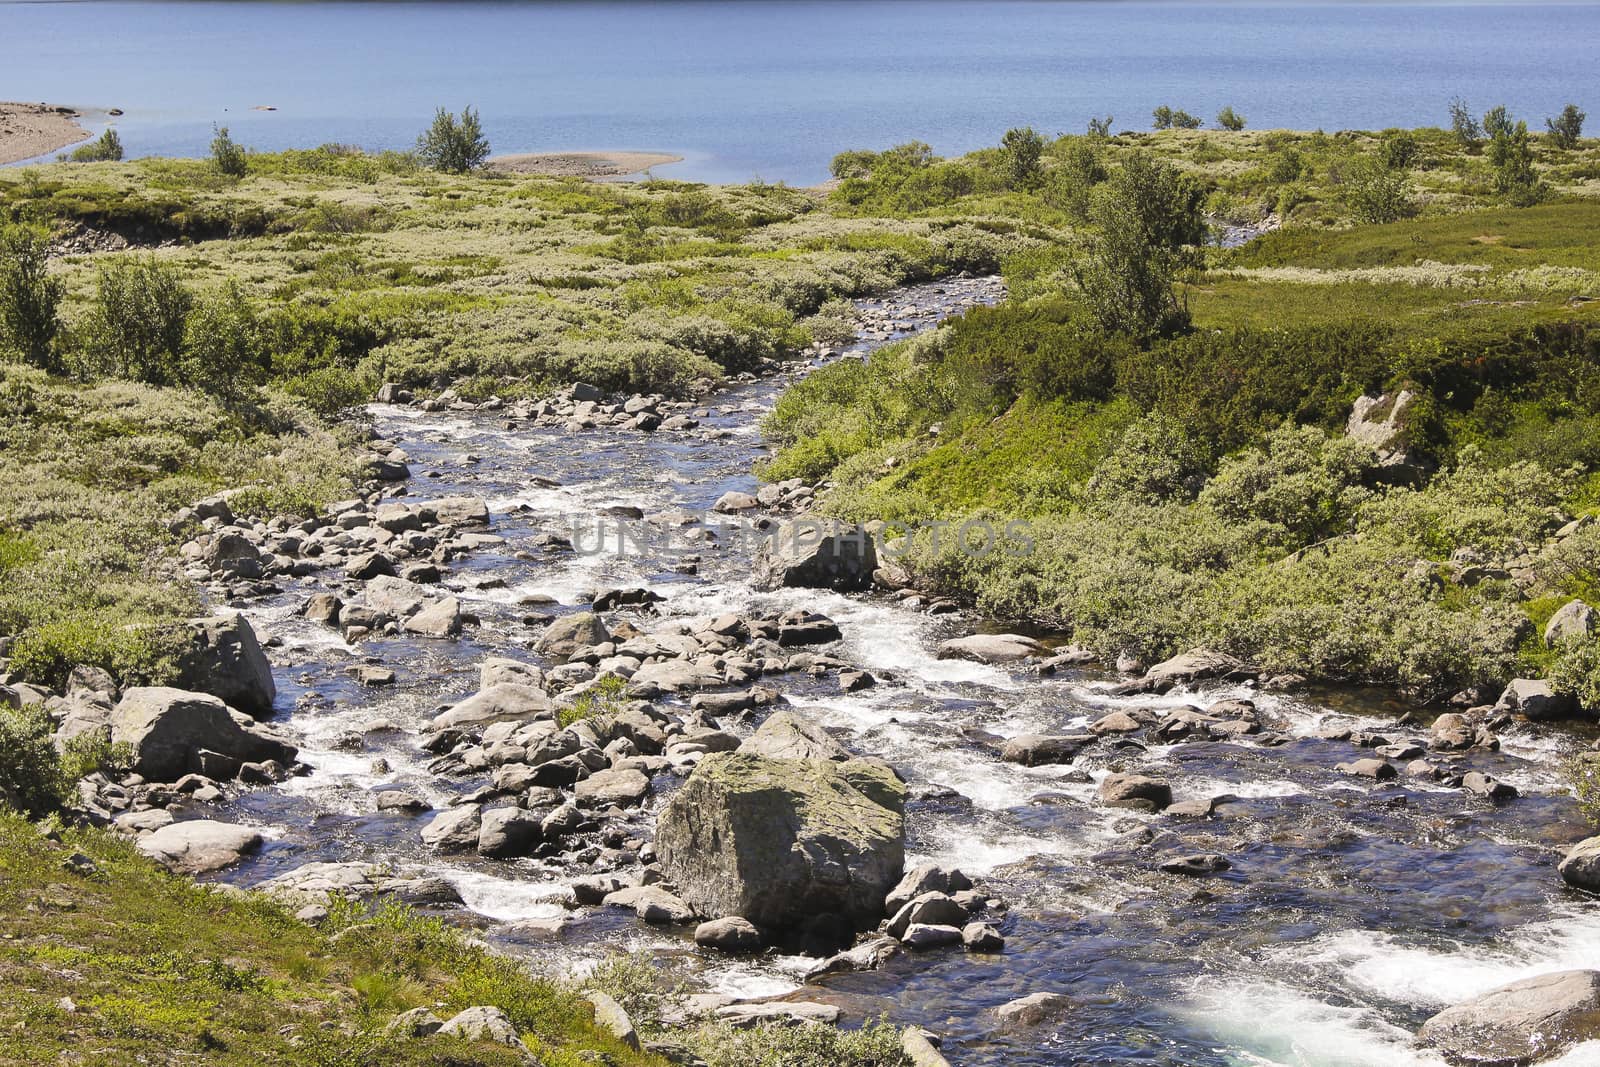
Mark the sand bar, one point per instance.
(583, 164)
(28, 130)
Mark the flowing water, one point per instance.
(1352, 910)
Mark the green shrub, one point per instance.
(453, 145)
(137, 324)
(1577, 673)
(227, 155)
(29, 299)
(1229, 119)
(1022, 149)
(1468, 133)
(1375, 192)
(1303, 483)
(223, 354)
(1511, 157)
(1154, 462)
(30, 768)
(1400, 151)
(601, 703)
(775, 1045)
(107, 148)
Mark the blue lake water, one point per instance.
(746, 88)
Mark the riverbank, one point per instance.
(29, 130)
(582, 164)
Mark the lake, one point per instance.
(746, 88)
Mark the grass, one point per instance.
(130, 964)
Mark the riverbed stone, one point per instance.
(982, 937)
(652, 904)
(1534, 699)
(224, 659)
(1580, 868)
(454, 829)
(1525, 1022)
(783, 1012)
(200, 846)
(731, 933)
(624, 788)
(505, 832)
(779, 841)
(816, 555)
(460, 511)
(167, 730)
(1379, 770)
(925, 878)
(502, 702)
(990, 648)
(786, 735)
(1188, 667)
(1134, 791)
(439, 618)
(568, 634)
(1038, 750)
(921, 937)
(1034, 1008)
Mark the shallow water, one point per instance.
(775, 88)
(1351, 913)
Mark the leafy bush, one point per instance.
(227, 155)
(1165, 118)
(1400, 151)
(106, 148)
(30, 767)
(1229, 119)
(1376, 192)
(1468, 133)
(1154, 462)
(137, 325)
(1566, 128)
(775, 1045)
(453, 145)
(1070, 184)
(1511, 157)
(1577, 672)
(1303, 483)
(1100, 127)
(29, 299)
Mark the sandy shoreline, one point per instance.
(583, 164)
(28, 130)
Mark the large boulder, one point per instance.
(1535, 700)
(461, 511)
(1573, 621)
(815, 555)
(169, 730)
(1189, 667)
(569, 633)
(780, 841)
(1525, 1022)
(200, 845)
(1382, 423)
(224, 659)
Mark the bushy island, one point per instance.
(1359, 447)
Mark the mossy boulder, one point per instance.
(782, 842)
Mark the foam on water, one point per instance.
(1436, 974)
(508, 899)
(1273, 1025)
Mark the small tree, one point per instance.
(1072, 181)
(1466, 129)
(453, 145)
(1182, 120)
(29, 299)
(1567, 128)
(1100, 127)
(1497, 122)
(227, 153)
(137, 326)
(107, 148)
(1022, 148)
(223, 354)
(1148, 214)
(1163, 117)
(1511, 156)
(1230, 119)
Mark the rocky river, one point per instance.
(1310, 876)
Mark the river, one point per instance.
(1352, 910)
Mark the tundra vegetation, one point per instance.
(1168, 414)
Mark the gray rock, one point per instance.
(612, 1018)
(816, 555)
(1191, 666)
(1522, 1023)
(652, 904)
(1580, 868)
(982, 937)
(497, 669)
(1134, 791)
(925, 878)
(625, 788)
(225, 659)
(728, 934)
(441, 618)
(990, 648)
(1574, 621)
(461, 511)
(929, 909)
(454, 830)
(483, 1024)
(1379, 770)
(1033, 1009)
(569, 633)
(920, 1050)
(781, 841)
(1197, 865)
(502, 702)
(200, 845)
(786, 735)
(1534, 699)
(505, 832)
(733, 501)
(1038, 750)
(167, 730)
(920, 937)
(418, 1022)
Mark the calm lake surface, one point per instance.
(746, 88)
